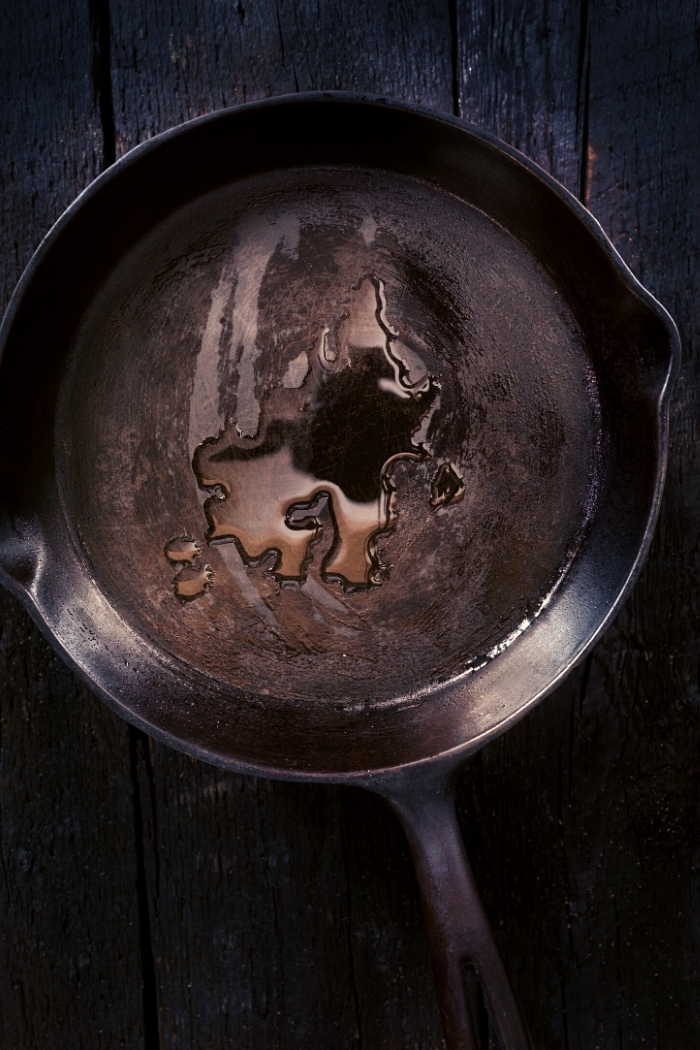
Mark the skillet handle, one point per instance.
(458, 929)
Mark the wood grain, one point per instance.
(583, 820)
(70, 972)
(177, 60)
(520, 75)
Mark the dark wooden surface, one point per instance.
(148, 900)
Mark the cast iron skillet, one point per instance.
(333, 436)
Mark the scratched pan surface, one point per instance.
(333, 435)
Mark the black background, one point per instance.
(149, 900)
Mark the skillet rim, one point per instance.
(662, 399)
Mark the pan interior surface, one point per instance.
(327, 436)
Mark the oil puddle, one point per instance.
(348, 409)
(192, 578)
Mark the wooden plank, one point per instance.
(52, 139)
(642, 158)
(177, 60)
(582, 821)
(69, 949)
(281, 915)
(519, 77)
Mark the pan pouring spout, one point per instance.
(349, 408)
